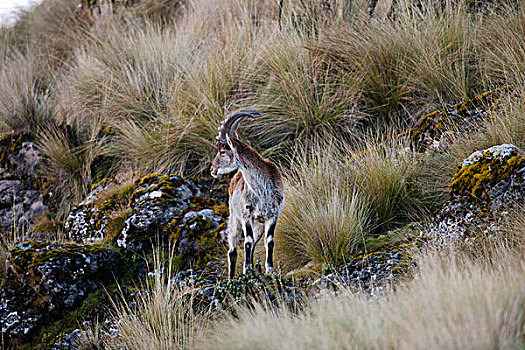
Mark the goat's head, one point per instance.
(224, 161)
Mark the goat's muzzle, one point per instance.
(214, 172)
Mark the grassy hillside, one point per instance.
(140, 87)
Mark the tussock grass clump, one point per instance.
(125, 71)
(162, 91)
(159, 316)
(131, 75)
(33, 51)
(308, 229)
(323, 217)
(502, 46)
(338, 197)
(456, 302)
(50, 30)
(395, 183)
(425, 55)
(69, 161)
(302, 99)
(25, 103)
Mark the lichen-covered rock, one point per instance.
(199, 235)
(88, 221)
(486, 185)
(18, 206)
(210, 289)
(44, 280)
(372, 272)
(18, 155)
(20, 198)
(155, 201)
(430, 131)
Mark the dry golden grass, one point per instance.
(455, 302)
(502, 46)
(69, 156)
(159, 316)
(396, 183)
(160, 84)
(148, 88)
(425, 56)
(337, 197)
(301, 98)
(25, 103)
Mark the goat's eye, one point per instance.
(223, 153)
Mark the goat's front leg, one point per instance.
(269, 231)
(232, 260)
(248, 246)
(233, 240)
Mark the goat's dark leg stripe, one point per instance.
(248, 247)
(269, 245)
(232, 261)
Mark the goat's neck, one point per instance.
(251, 165)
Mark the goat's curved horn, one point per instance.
(231, 122)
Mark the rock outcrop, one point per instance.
(155, 201)
(371, 272)
(44, 280)
(430, 132)
(87, 222)
(165, 207)
(487, 184)
(21, 199)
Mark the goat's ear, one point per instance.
(230, 143)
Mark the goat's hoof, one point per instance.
(269, 270)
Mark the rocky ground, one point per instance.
(49, 284)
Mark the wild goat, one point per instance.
(256, 193)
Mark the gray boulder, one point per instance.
(45, 280)
(486, 186)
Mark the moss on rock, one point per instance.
(155, 201)
(198, 237)
(462, 116)
(486, 185)
(87, 222)
(46, 280)
(472, 183)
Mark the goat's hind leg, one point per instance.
(248, 246)
(269, 228)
